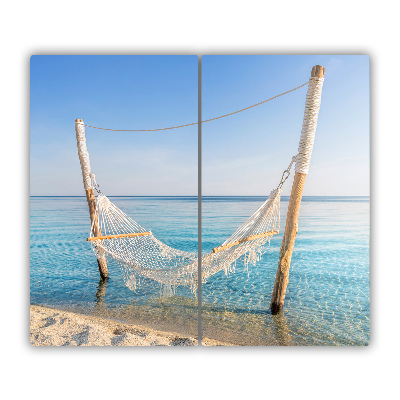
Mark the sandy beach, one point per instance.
(52, 327)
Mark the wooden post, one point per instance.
(289, 236)
(90, 197)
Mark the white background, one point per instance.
(203, 27)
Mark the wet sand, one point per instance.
(52, 327)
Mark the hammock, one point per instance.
(116, 235)
(141, 254)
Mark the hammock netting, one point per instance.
(142, 255)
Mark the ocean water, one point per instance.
(64, 272)
(327, 299)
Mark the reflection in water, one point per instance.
(281, 329)
(101, 292)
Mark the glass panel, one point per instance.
(151, 176)
(326, 300)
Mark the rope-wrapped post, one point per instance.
(313, 102)
(90, 197)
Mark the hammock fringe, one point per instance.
(140, 254)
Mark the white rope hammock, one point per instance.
(142, 255)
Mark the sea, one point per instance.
(327, 300)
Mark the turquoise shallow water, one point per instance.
(64, 272)
(327, 299)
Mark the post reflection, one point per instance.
(281, 329)
(101, 292)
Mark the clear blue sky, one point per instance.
(120, 92)
(245, 154)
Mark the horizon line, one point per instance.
(208, 195)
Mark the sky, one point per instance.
(244, 154)
(118, 92)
